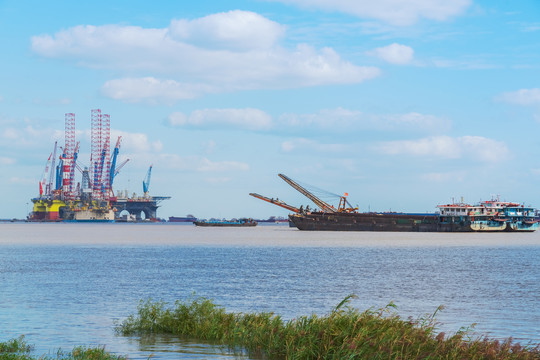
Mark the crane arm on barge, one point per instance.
(276, 202)
(325, 207)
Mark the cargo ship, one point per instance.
(224, 223)
(487, 216)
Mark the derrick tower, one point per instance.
(100, 154)
(68, 157)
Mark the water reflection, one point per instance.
(155, 346)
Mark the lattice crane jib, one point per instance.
(324, 206)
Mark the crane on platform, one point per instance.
(114, 156)
(114, 170)
(120, 167)
(42, 183)
(276, 202)
(72, 169)
(146, 181)
(49, 187)
(59, 168)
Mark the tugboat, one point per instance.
(243, 222)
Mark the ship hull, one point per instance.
(522, 226)
(89, 215)
(46, 210)
(376, 222)
(182, 219)
(225, 224)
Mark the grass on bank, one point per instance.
(345, 333)
(18, 349)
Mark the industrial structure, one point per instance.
(91, 199)
(137, 206)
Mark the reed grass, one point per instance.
(18, 349)
(344, 333)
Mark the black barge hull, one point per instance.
(218, 224)
(375, 222)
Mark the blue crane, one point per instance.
(146, 182)
(112, 169)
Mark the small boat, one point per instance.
(222, 223)
(188, 218)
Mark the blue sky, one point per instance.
(402, 104)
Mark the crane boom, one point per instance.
(114, 156)
(72, 168)
(276, 202)
(52, 171)
(146, 181)
(325, 207)
(120, 167)
(42, 183)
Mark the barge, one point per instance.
(487, 216)
(226, 223)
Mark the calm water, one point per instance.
(63, 285)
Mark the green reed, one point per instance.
(18, 349)
(344, 333)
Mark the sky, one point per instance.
(402, 104)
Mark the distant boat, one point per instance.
(222, 223)
(188, 218)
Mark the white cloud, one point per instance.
(191, 163)
(454, 176)
(243, 119)
(522, 97)
(221, 166)
(338, 120)
(470, 147)
(218, 180)
(157, 146)
(302, 144)
(51, 102)
(239, 30)
(132, 142)
(6, 161)
(530, 27)
(416, 121)
(209, 146)
(28, 136)
(23, 181)
(394, 54)
(152, 90)
(396, 12)
(344, 120)
(10, 133)
(229, 51)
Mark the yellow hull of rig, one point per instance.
(46, 210)
(72, 210)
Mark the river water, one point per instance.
(63, 285)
